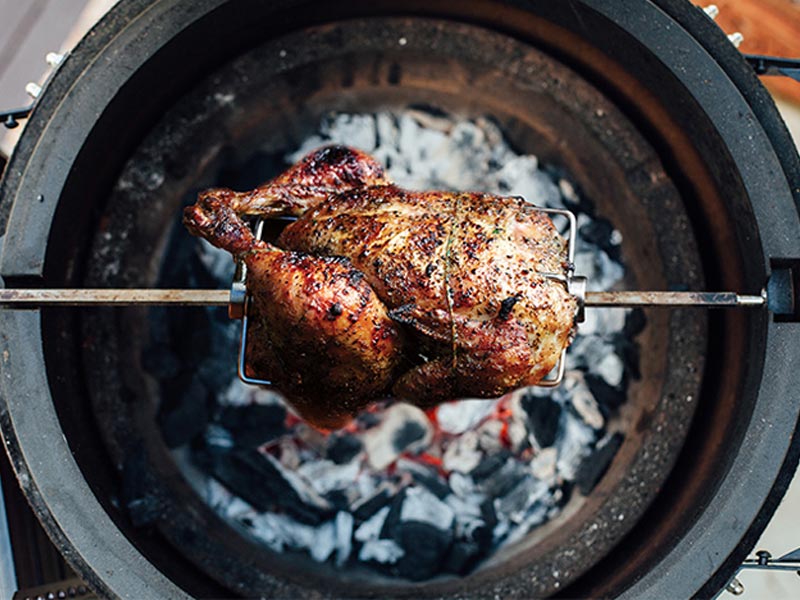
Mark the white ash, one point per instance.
(326, 476)
(426, 150)
(382, 551)
(463, 453)
(516, 504)
(582, 399)
(574, 446)
(611, 368)
(462, 485)
(420, 505)
(458, 417)
(343, 525)
(543, 464)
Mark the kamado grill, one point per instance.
(650, 123)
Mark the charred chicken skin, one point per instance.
(376, 291)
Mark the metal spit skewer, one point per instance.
(113, 297)
(235, 297)
(128, 297)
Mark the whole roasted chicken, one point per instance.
(376, 291)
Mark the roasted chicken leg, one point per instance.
(376, 291)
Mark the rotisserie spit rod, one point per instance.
(128, 297)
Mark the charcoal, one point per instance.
(343, 448)
(635, 322)
(600, 232)
(425, 548)
(254, 424)
(502, 480)
(461, 558)
(217, 439)
(583, 405)
(390, 525)
(138, 488)
(368, 420)
(516, 502)
(607, 396)
(462, 453)
(433, 484)
(483, 535)
(488, 513)
(186, 416)
(595, 465)
(404, 428)
(338, 499)
(408, 433)
(365, 509)
(260, 481)
(372, 527)
(489, 465)
(544, 415)
(160, 362)
(574, 443)
(312, 437)
(190, 331)
(566, 493)
(629, 351)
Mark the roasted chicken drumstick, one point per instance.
(376, 291)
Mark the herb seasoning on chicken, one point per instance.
(375, 290)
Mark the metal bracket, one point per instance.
(238, 308)
(774, 65)
(765, 562)
(10, 117)
(575, 286)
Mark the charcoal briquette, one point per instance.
(607, 396)
(596, 464)
(252, 425)
(366, 509)
(186, 415)
(425, 549)
(489, 465)
(255, 479)
(343, 448)
(461, 558)
(544, 415)
(408, 433)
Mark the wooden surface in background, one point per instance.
(769, 27)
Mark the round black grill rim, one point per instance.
(776, 457)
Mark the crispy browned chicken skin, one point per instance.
(376, 291)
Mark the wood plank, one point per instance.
(769, 27)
